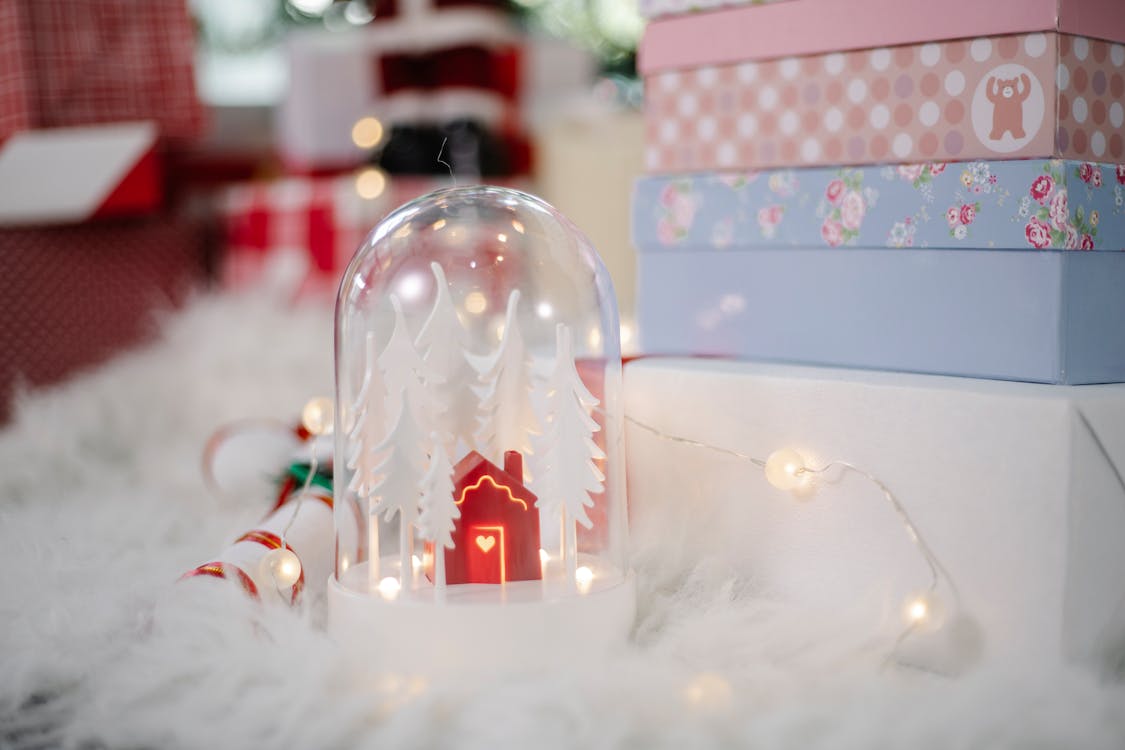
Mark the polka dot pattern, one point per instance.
(913, 102)
(1091, 77)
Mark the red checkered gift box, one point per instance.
(17, 106)
(308, 226)
(319, 221)
(92, 61)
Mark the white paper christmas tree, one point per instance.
(401, 472)
(405, 372)
(568, 475)
(439, 509)
(368, 426)
(443, 344)
(508, 419)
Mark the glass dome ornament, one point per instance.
(480, 480)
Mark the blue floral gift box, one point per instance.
(1020, 205)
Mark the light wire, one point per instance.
(937, 570)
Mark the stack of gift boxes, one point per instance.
(793, 145)
(92, 101)
(426, 94)
(894, 186)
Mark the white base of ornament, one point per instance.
(486, 629)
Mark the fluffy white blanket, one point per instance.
(102, 506)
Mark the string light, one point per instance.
(786, 469)
(282, 566)
(923, 611)
(367, 132)
(317, 416)
(708, 692)
(370, 183)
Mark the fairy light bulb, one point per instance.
(282, 566)
(923, 611)
(708, 692)
(785, 470)
(317, 416)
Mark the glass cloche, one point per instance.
(480, 477)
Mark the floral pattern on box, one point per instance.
(1028, 204)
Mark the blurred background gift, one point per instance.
(149, 149)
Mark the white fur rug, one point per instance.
(102, 506)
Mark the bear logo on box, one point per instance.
(1008, 108)
(1007, 97)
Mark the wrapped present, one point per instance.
(317, 223)
(453, 64)
(17, 80)
(1014, 487)
(69, 175)
(1048, 316)
(811, 27)
(1030, 204)
(661, 8)
(97, 62)
(71, 296)
(837, 98)
(1016, 96)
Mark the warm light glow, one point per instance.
(389, 588)
(595, 338)
(416, 561)
(499, 258)
(923, 611)
(370, 183)
(486, 542)
(500, 332)
(367, 132)
(708, 691)
(403, 232)
(317, 416)
(412, 286)
(544, 556)
(490, 480)
(544, 310)
(785, 469)
(283, 566)
(517, 225)
(437, 225)
(475, 303)
(502, 237)
(584, 577)
(626, 333)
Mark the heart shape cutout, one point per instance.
(486, 543)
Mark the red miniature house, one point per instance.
(497, 536)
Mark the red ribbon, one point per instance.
(226, 571)
(273, 541)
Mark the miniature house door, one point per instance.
(486, 552)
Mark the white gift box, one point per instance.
(1016, 487)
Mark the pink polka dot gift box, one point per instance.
(712, 104)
